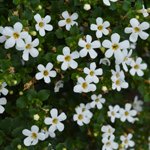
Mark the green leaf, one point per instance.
(4, 65)
(16, 2)
(126, 5)
(141, 89)
(21, 102)
(74, 30)
(8, 108)
(17, 132)
(100, 119)
(130, 14)
(68, 144)
(55, 8)
(138, 4)
(33, 111)
(27, 15)
(6, 125)
(15, 142)
(1, 136)
(31, 94)
(96, 12)
(146, 97)
(59, 33)
(44, 94)
(2, 53)
(8, 148)
(113, 6)
(60, 146)
(69, 41)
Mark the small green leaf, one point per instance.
(27, 15)
(96, 12)
(55, 8)
(74, 30)
(69, 40)
(6, 125)
(4, 65)
(59, 33)
(146, 97)
(21, 102)
(31, 94)
(126, 5)
(44, 94)
(15, 142)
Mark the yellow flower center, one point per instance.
(100, 27)
(67, 58)
(97, 100)
(117, 82)
(28, 46)
(125, 58)
(92, 73)
(136, 29)
(84, 85)
(117, 75)
(41, 24)
(34, 135)
(135, 104)
(16, 35)
(126, 113)
(112, 113)
(55, 120)
(80, 117)
(83, 109)
(45, 73)
(136, 67)
(68, 20)
(126, 141)
(109, 131)
(115, 47)
(0, 87)
(108, 143)
(7, 37)
(88, 46)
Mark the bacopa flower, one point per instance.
(45, 72)
(105, 61)
(84, 86)
(127, 114)
(29, 48)
(88, 47)
(33, 136)
(143, 11)
(115, 47)
(3, 101)
(3, 90)
(108, 131)
(93, 72)
(67, 59)
(137, 67)
(2, 37)
(107, 2)
(14, 35)
(47, 133)
(68, 20)
(100, 27)
(42, 24)
(137, 30)
(97, 100)
(126, 141)
(59, 84)
(55, 120)
(137, 104)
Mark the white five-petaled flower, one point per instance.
(105, 61)
(93, 72)
(67, 58)
(45, 72)
(143, 11)
(100, 27)
(59, 84)
(33, 136)
(113, 112)
(68, 20)
(126, 59)
(88, 47)
(126, 141)
(115, 47)
(14, 35)
(3, 101)
(42, 24)
(28, 48)
(127, 114)
(137, 104)
(47, 133)
(97, 100)
(109, 144)
(84, 86)
(137, 29)
(108, 131)
(137, 67)
(81, 116)
(107, 2)
(3, 90)
(55, 120)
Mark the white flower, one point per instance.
(2, 37)
(81, 116)
(137, 29)
(45, 72)
(108, 131)
(100, 27)
(88, 47)
(28, 48)
(68, 20)
(84, 86)
(47, 133)
(105, 61)
(3, 101)
(67, 58)
(97, 100)
(113, 113)
(126, 59)
(137, 67)
(127, 114)
(143, 11)
(87, 6)
(3, 90)
(137, 104)
(115, 47)
(55, 120)
(14, 35)
(33, 136)
(42, 24)
(59, 84)
(126, 141)
(93, 72)
(109, 144)
(107, 2)
(132, 45)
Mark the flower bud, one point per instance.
(137, 17)
(36, 117)
(11, 92)
(33, 33)
(39, 49)
(87, 7)
(19, 146)
(20, 93)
